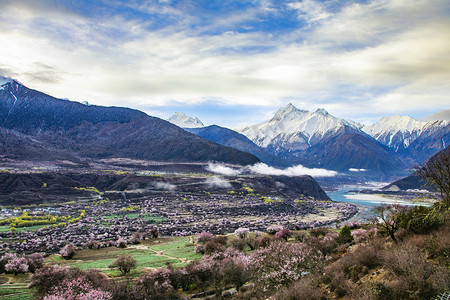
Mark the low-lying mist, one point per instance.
(263, 169)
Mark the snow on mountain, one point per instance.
(184, 121)
(294, 129)
(399, 132)
(4, 80)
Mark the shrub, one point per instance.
(305, 289)
(360, 235)
(220, 239)
(272, 229)
(156, 285)
(345, 235)
(121, 243)
(263, 241)
(124, 263)
(422, 220)
(318, 232)
(211, 247)
(58, 282)
(203, 237)
(356, 264)
(242, 233)
(78, 289)
(422, 278)
(284, 234)
(68, 251)
(238, 244)
(16, 265)
(35, 261)
(282, 263)
(154, 233)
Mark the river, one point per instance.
(365, 202)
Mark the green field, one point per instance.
(133, 215)
(150, 254)
(15, 287)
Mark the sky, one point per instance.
(234, 63)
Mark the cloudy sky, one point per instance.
(233, 62)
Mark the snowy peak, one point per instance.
(394, 124)
(322, 111)
(399, 132)
(184, 121)
(293, 129)
(4, 81)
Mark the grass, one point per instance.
(179, 248)
(15, 293)
(15, 287)
(148, 217)
(150, 254)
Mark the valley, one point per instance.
(118, 204)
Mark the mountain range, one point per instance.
(36, 126)
(318, 139)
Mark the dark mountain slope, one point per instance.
(28, 188)
(102, 132)
(414, 181)
(433, 139)
(350, 149)
(231, 138)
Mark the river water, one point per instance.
(365, 202)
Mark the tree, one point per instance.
(436, 173)
(389, 218)
(17, 265)
(124, 263)
(154, 233)
(284, 234)
(35, 261)
(68, 251)
(345, 235)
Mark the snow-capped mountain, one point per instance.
(4, 81)
(293, 129)
(184, 121)
(396, 132)
(413, 139)
(318, 139)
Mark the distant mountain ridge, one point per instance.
(295, 129)
(43, 124)
(231, 138)
(413, 140)
(184, 121)
(414, 181)
(318, 139)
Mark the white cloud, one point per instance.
(297, 170)
(222, 169)
(219, 182)
(380, 57)
(165, 186)
(357, 170)
(263, 169)
(310, 10)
